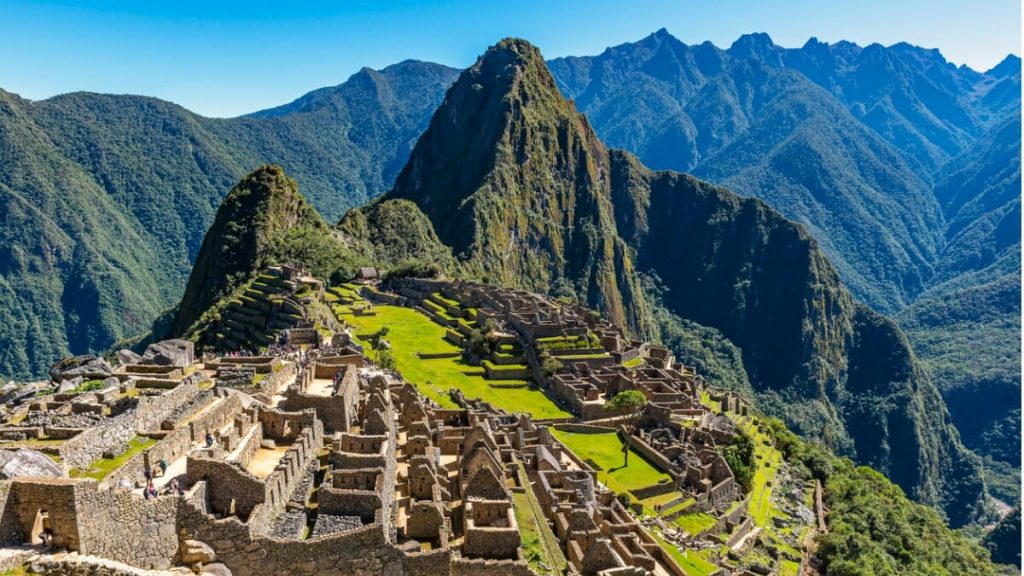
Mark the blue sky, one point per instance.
(229, 58)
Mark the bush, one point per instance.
(414, 269)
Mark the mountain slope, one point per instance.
(262, 208)
(513, 179)
(128, 185)
(966, 326)
(528, 204)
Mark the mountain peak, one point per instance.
(1009, 66)
(262, 208)
(757, 46)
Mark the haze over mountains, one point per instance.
(900, 165)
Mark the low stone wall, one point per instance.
(654, 490)
(174, 445)
(226, 483)
(744, 528)
(362, 551)
(482, 567)
(151, 411)
(584, 428)
(215, 418)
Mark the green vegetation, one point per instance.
(695, 523)
(113, 247)
(1003, 542)
(873, 527)
(101, 468)
(410, 333)
(740, 457)
(604, 453)
(633, 363)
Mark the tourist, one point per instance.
(174, 488)
(163, 466)
(150, 491)
(209, 440)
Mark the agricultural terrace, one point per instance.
(412, 333)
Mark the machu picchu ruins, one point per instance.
(292, 443)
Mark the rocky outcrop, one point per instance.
(88, 367)
(170, 353)
(25, 462)
(127, 357)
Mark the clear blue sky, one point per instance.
(229, 58)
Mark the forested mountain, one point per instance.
(904, 167)
(106, 198)
(520, 187)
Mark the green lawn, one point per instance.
(605, 450)
(695, 523)
(410, 332)
(102, 468)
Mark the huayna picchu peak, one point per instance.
(667, 310)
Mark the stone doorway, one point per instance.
(41, 532)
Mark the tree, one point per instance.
(385, 359)
(631, 402)
(549, 364)
(740, 457)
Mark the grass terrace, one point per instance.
(410, 332)
(634, 362)
(695, 523)
(102, 468)
(603, 452)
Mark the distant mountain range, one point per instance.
(900, 165)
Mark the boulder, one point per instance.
(69, 385)
(196, 552)
(216, 569)
(170, 353)
(268, 444)
(25, 462)
(125, 357)
(89, 367)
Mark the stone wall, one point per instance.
(482, 567)
(226, 482)
(90, 445)
(334, 411)
(57, 497)
(215, 418)
(125, 527)
(360, 552)
(151, 411)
